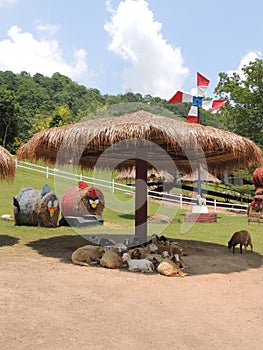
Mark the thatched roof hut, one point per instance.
(7, 165)
(140, 138)
(204, 175)
(84, 142)
(152, 174)
(44, 144)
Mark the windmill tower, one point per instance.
(197, 101)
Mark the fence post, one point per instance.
(16, 163)
(80, 177)
(181, 200)
(215, 205)
(47, 169)
(113, 185)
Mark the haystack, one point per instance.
(36, 208)
(82, 200)
(7, 165)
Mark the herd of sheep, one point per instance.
(159, 254)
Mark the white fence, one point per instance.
(116, 186)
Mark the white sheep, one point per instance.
(142, 265)
(7, 217)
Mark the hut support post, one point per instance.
(141, 193)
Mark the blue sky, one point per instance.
(147, 46)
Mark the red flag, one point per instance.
(177, 97)
(181, 97)
(218, 104)
(201, 80)
(192, 119)
(193, 116)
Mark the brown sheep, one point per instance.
(242, 238)
(175, 251)
(111, 260)
(170, 269)
(87, 255)
(141, 252)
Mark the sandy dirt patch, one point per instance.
(48, 303)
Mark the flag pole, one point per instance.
(199, 187)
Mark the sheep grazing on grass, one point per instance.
(111, 260)
(242, 238)
(87, 255)
(142, 265)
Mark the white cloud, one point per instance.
(48, 28)
(22, 52)
(7, 2)
(156, 67)
(250, 57)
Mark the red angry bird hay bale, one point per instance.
(82, 200)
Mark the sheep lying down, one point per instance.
(170, 269)
(87, 255)
(142, 265)
(143, 259)
(91, 255)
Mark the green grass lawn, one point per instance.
(119, 218)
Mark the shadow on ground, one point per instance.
(201, 257)
(6, 240)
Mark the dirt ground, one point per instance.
(47, 303)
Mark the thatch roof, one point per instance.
(84, 142)
(7, 165)
(204, 175)
(44, 144)
(152, 174)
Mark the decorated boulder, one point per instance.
(36, 208)
(79, 202)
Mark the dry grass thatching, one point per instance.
(7, 165)
(204, 175)
(152, 174)
(44, 144)
(83, 143)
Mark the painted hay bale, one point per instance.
(36, 208)
(82, 200)
(258, 178)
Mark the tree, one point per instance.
(60, 117)
(244, 114)
(9, 110)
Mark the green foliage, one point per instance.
(244, 114)
(9, 112)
